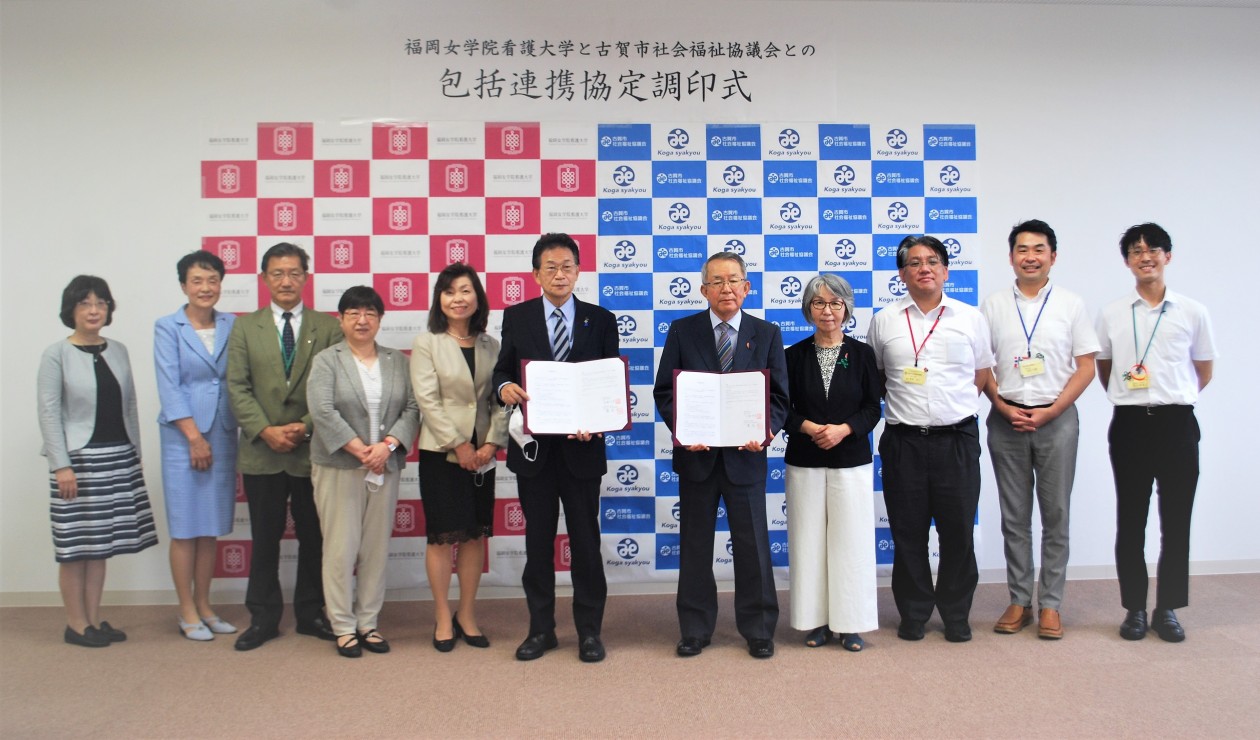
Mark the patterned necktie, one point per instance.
(287, 342)
(559, 337)
(726, 347)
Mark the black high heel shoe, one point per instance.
(477, 641)
(444, 646)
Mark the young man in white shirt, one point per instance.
(1044, 344)
(934, 352)
(1157, 354)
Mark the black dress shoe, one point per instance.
(90, 637)
(255, 636)
(1167, 627)
(689, 646)
(317, 627)
(352, 648)
(477, 641)
(379, 646)
(1134, 626)
(535, 645)
(111, 634)
(908, 630)
(760, 648)
(443, 646)
(958, 632)
(591, 650)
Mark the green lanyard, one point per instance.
(1133, 311)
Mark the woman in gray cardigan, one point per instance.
(87, 416)
(363, 416)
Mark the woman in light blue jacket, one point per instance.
(198, 433)
(87, 417)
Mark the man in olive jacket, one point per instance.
(269, 356)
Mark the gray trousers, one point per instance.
(1044, 459)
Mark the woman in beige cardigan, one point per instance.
(464, 427)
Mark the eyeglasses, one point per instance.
(835, 306)
(354, 315)
(278, 275)
(1152, 251)
(932, 262)
(98, 305)
(567, 268)
(719, 284)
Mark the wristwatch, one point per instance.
(392, 446)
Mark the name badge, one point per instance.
(1137, 378)
(914, 375)
(1030, 366)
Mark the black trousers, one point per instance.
(541, 498)
(271, 498)
(756, 602)
(1160, 445)
(932, 476)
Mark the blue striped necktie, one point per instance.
(726, 347)
(559, 337)
(287, 342)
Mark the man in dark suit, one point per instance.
(562, 469)
(269, 354)
(724, 339)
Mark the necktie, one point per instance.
(559, 337)
(287, 342)
(726, 347)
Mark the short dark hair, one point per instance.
(361, 296)
(285, 249)
(200, 258)
(720, 256)
(1033, 226)
(551, 241)
(1151, 233)
(930, 242)
(481, 317)
(81, 287)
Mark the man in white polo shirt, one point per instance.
(1044, 345)
(934, 352)
(1157, 354)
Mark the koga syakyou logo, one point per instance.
(624, 250)
(845, 249)
(844, 175)
(680, 287)
(896, 286)
(896, 138)
(626, 326)
(791, 286)
(679, 212)
(950, 175)
(736, 246)
(733, 175)
(677, 138)
(623, 176)
(789, 138)
(898, 211)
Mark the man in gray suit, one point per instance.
(269, 354)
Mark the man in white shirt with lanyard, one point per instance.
(1044, 345)
(934, 352)
(1157, 353)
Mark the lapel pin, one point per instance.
(586, 322)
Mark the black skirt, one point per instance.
(458, 505)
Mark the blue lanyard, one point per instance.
(1028, 335)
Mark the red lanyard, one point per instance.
(919, 348)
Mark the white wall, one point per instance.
(1092, 118)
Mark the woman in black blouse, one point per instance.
(87, 416)
(834, 388)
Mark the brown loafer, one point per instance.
(1014, 619)
(1048, 625)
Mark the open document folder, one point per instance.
(568, 397)
(721, 409)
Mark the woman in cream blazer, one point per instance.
(464, 427)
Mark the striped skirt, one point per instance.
(111, 514)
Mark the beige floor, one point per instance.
(1091, 684)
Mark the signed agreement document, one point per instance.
(721, 409)
(567, 397)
